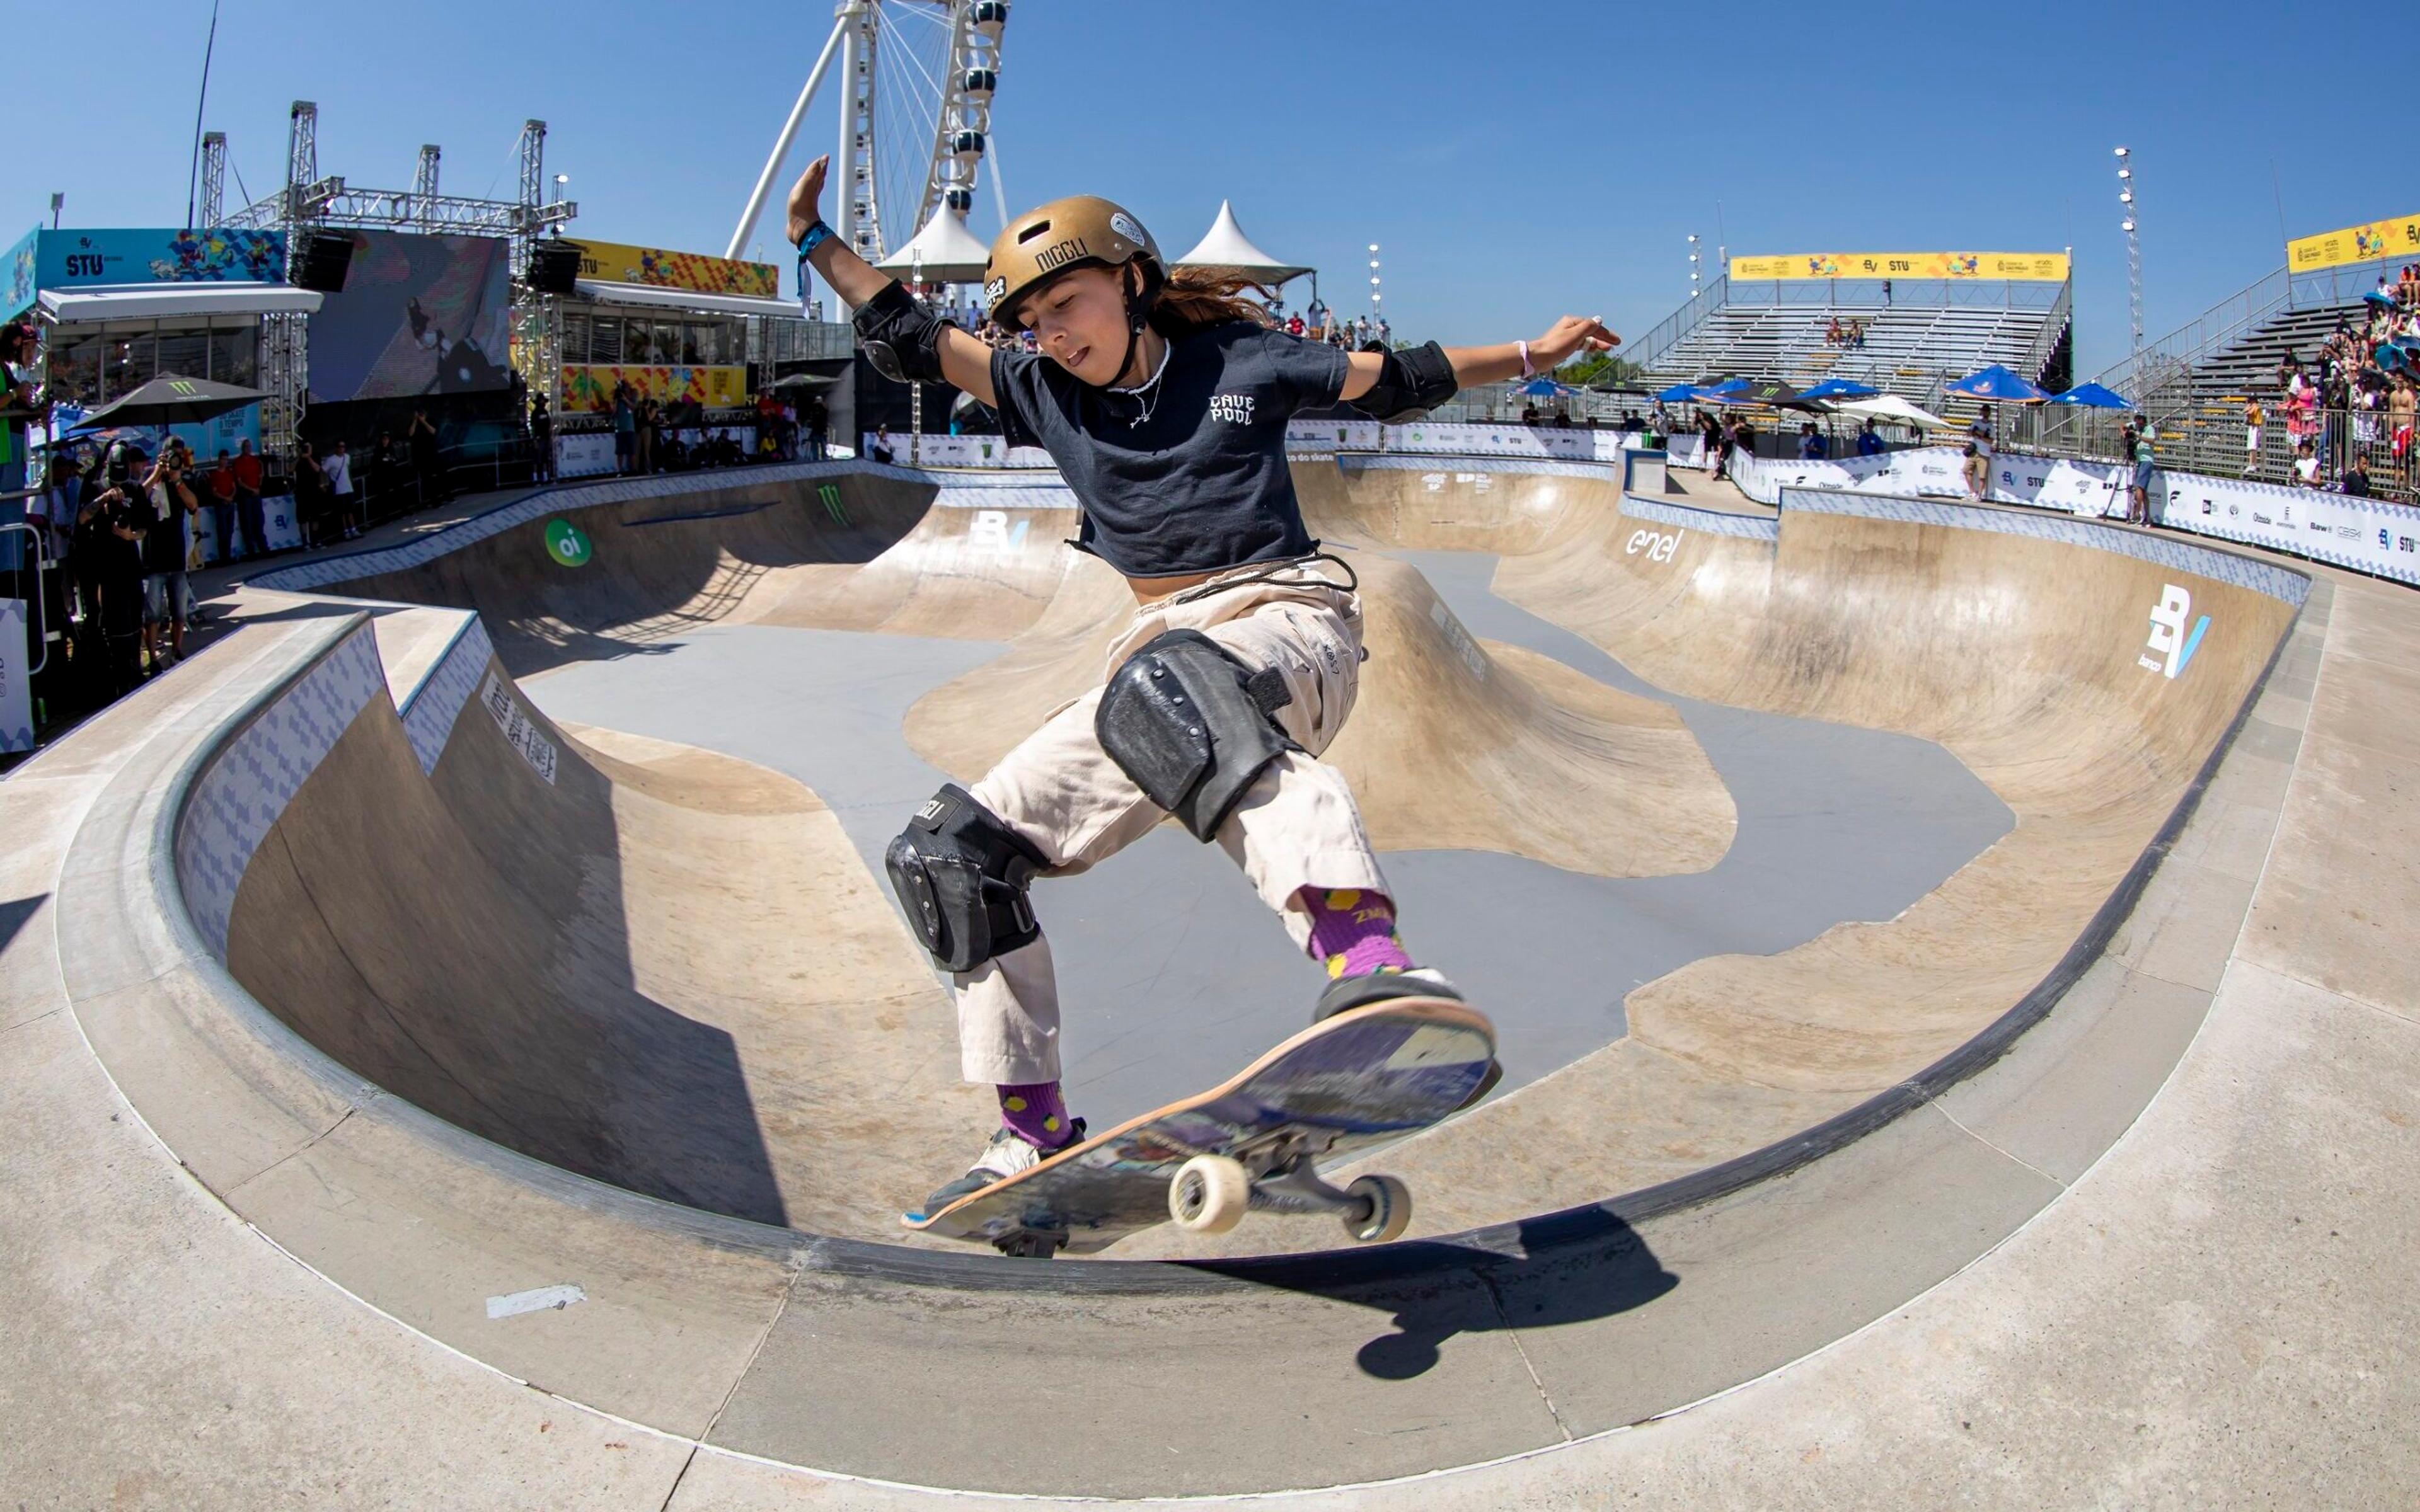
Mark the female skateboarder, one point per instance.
(1163, 396)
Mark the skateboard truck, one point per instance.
(1030, 1243)
(1210, 1194)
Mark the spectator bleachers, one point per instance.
(1908, 349)
(2248, 365)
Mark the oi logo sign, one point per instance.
(565, 545)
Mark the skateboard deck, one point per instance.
(1365, 1075)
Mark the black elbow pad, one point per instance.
(1411, 382)
(902, 340)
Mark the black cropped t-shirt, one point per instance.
(1189, 476)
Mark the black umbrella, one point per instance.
(171, 401)
(802, 380)
(1774, 392)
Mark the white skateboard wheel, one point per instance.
(1391, 1210)
(1209, 1195)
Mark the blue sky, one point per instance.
(1514, 162)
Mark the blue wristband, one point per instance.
(817, 235)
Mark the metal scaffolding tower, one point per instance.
(537, 215)
(424, 182)
(308, 203)
(214, 203)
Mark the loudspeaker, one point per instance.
(321, 262)
(554, 266)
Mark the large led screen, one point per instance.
(419, 314)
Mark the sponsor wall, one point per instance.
(590, 454)
(1332, 435)
(2023, 267)
(2397, 237)
(2366, 534)
(961, 452)
(613, 262)
(419, 314)
(1509, 440)
(47, 259)
(584, 454)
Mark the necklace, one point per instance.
(1148, 386)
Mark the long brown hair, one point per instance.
(1196, 299)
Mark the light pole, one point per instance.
(2133, 261)
(1693, 265)
(57, 202)
(1375, 294)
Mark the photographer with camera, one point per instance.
(108, 557)
(168, 598)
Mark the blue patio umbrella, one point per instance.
(1542, 387)
(1839, 389)
(1724, 390)
(1677, 394)
(1996, 384)
(2093, 397)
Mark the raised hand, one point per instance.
(1567, 336)
(806, 197)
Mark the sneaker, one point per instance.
(1422, 981)
(1004, 1155)
(1361, 992)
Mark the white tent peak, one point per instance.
(1226, 246)
(947, 250)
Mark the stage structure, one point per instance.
(308, 203)
(917, 82)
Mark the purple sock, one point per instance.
(1353, 932)
(1036, 1113)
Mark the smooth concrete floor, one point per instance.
(1173, 976)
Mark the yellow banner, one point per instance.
(589, 386)
(2027, 266)
(614, 263)
(2354, 244)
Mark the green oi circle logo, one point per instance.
(565, 543)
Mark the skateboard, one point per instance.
(1250, 1144)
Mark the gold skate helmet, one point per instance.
(1080, 231)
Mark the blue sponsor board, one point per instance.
(17, 276)
(47, 259)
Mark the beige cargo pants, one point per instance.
(1296, 826)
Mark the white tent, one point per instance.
(1226, 246)
(1892, 410)
(945, 250)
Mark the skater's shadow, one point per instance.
(1541, 1273)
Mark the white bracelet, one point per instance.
(1527, 371)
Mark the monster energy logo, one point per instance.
(830, 494)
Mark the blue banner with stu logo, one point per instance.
(48, 259)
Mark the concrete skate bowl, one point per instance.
(1755, 838)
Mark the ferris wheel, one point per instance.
(917, 79)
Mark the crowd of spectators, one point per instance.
(125, 530)
(2348, 412)
(651, 437)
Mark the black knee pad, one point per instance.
(961, 875)
(1192, 725)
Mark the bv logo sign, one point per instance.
(991, 532)
(2169, 647)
